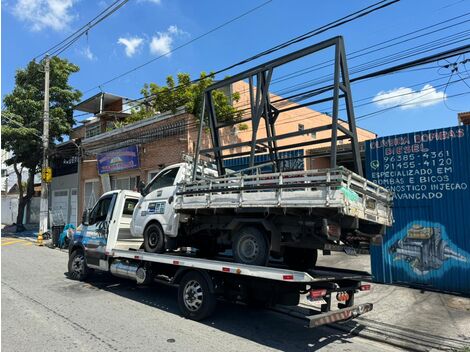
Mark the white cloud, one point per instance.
(41, 14)
(87, 53)
(410, 98)
(132, 44)
(174, 30)
(161, 43)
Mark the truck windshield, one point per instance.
(164, 179)
(100, 211)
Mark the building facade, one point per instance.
(121, 157)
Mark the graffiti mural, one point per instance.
(424, 249)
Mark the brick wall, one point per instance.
(153, 156)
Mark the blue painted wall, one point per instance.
(429, 173)
(287, 165)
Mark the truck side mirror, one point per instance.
(142, 188)
(86, 217)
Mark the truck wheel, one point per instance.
(300, 258)
(195, 299)
(249, 246)
(154, 239)
(78, 270)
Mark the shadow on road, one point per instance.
(264, 327)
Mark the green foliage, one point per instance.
(190, 95)
(22, 116)
(242, 127)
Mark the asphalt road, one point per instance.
(42, 310)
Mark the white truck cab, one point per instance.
(154, 216)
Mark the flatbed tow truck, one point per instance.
(103, 242)
(263, 216)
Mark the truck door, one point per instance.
(95, 234)
(158, 201)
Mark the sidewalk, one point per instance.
(409, 318)
(31, 231)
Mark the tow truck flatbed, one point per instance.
(320, 274)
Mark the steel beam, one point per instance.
(261, 107)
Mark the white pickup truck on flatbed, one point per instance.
(103, 242)
(284, 214)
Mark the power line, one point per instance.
(390, 70)
(19, 124)
(139, 137)
(181, 46)
(377, 62)
(394, 69)
(351, 17)
(85, 31)
(343, 20)
(72, 38)
(366, 50)
(372, 114)
(400, 55)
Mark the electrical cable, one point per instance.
(351, 17)
(61, 49)
(85, 27)
(193, 126)
(180, 46)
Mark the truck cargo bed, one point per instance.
(337, 189)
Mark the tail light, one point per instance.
(342, 296)
(315, 294)
(365, 287)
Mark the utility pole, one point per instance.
(44, 206)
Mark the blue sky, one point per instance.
(144, 29)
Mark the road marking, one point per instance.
(7, 243)
(8, 238)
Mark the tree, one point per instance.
(22, 119)
(190, 95)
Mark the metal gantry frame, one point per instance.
(262, 108)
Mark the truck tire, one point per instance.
(300, 258)
(249, 246)
(77, 268)
(154, 239)
(195, 299)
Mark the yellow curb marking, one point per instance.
(12, 242)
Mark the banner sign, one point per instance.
(118, 160)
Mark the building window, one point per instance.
(91, 193)
(92, 130)
(313, 135)
(301, 127)
(126, 182)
